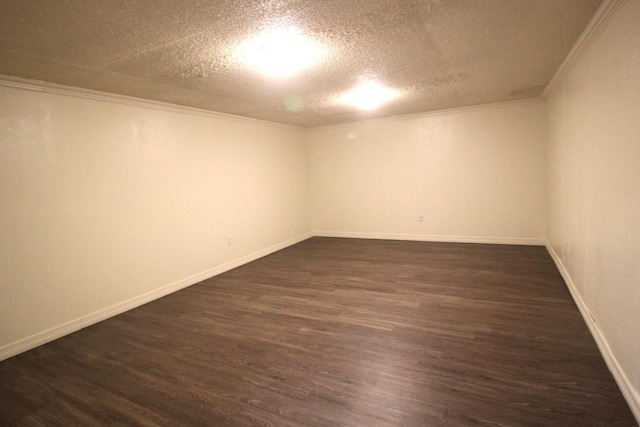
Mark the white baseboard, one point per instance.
(631, 396)
(59, 331)
(33, 341)
(435, 238)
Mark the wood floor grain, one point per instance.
(334, 332)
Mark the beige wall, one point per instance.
(109, 203)
(106, 205)
(476, 175)
(594, 184)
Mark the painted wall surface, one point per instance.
(594, 184)
(102, 202)
(475, 175)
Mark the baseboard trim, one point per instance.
(40, 338)
(435, 238)
(631, 396)
(59, 331)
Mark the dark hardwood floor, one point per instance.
(334, 332)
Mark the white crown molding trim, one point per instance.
(59, 331)
(94, 95)
(75, 92)
(631, 396)
(416, 116)
(605, 13)
(527, 241)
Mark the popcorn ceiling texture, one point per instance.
(441, 54)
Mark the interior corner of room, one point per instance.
(108, 202)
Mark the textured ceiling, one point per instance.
(439, 53)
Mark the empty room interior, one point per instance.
(322, 213)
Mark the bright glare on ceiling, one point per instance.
(281, 52)
(369, 95)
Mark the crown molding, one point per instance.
(76, 92)
(605, 13)
(94, 95)
(444, 112)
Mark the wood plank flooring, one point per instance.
(334, 332)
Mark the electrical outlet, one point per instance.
(229, 241)
(420, 218)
